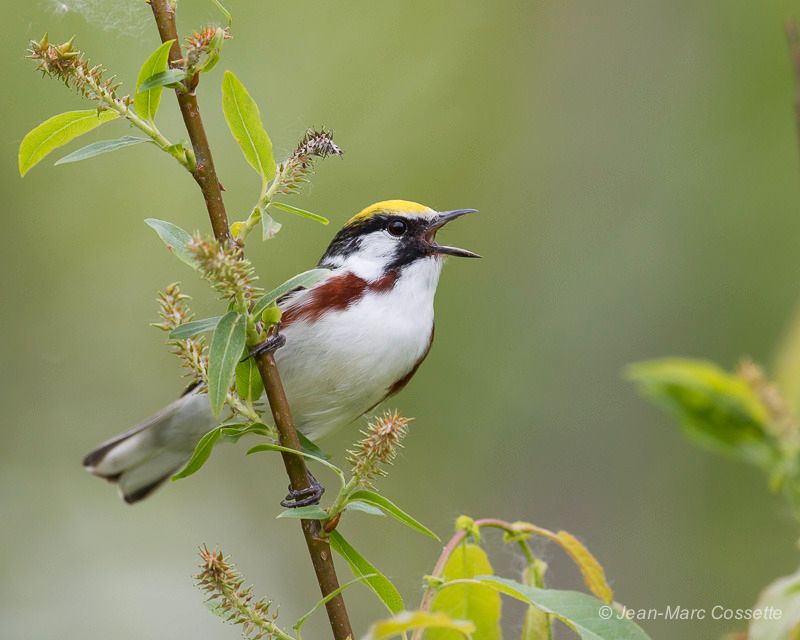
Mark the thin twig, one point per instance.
(206, 177)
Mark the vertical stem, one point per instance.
(318, 546)
(206, 177)
(204, 174)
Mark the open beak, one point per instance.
(442, 219)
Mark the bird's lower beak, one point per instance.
(442, 219)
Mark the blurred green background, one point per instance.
(636, 169)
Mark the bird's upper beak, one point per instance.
(437, 223)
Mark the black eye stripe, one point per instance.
(348, 240)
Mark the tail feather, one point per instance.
(141, 459)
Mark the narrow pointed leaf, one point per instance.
(276, 447)
(232, 433)
(168, 78)
(322, 601)
(360, 566)
(579, 611)
(190, 329)
(474, 602)
(410, 620)
(302, 280)
(309, 446)
(299, 212)
(176, 239)
(202, 452)
(391, 509)
(224, 11)
(310, 512)
(244, 120)
(146, 102)
(100, 147)
(593, 574)
(364, 507)
(226, 349)
(57, 131)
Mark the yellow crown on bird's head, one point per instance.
(392, 207)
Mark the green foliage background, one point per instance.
(636, 170)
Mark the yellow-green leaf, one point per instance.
(717, 409)
(146, 102)
(57, 131)
(475, 602)
(244, 120)
(593, 574)
(536, 623)
(408, 620)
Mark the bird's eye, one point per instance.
(396, 228)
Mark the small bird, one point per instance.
(351, 341)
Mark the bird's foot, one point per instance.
(304, 497)
(270, 345)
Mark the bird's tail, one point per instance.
(141, 459)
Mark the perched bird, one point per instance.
(352, 340)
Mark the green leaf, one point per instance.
(226, 349)
(536, 623)
(305, 280)
(248, 380)
(390, 508)
(202, 451)
(716, 409)
(191, 329)
(176, 239)
(232, 433)
(98, 148)
(587, 616)
(299, 212)
(310, 512)
(593, 573)
(475, 602)
(276, 447)
(269, 226)
(244, 120)
(322, 601)
(408, 620)
(57, 131)
(168, 78)
(358, 505)
(361, 567)
(224, 11)
(307, 445)
(146, 101)
(783, 597)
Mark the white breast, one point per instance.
(341, 365)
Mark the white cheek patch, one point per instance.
(375, 251)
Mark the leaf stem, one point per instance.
(148, 128)
(206, 177)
